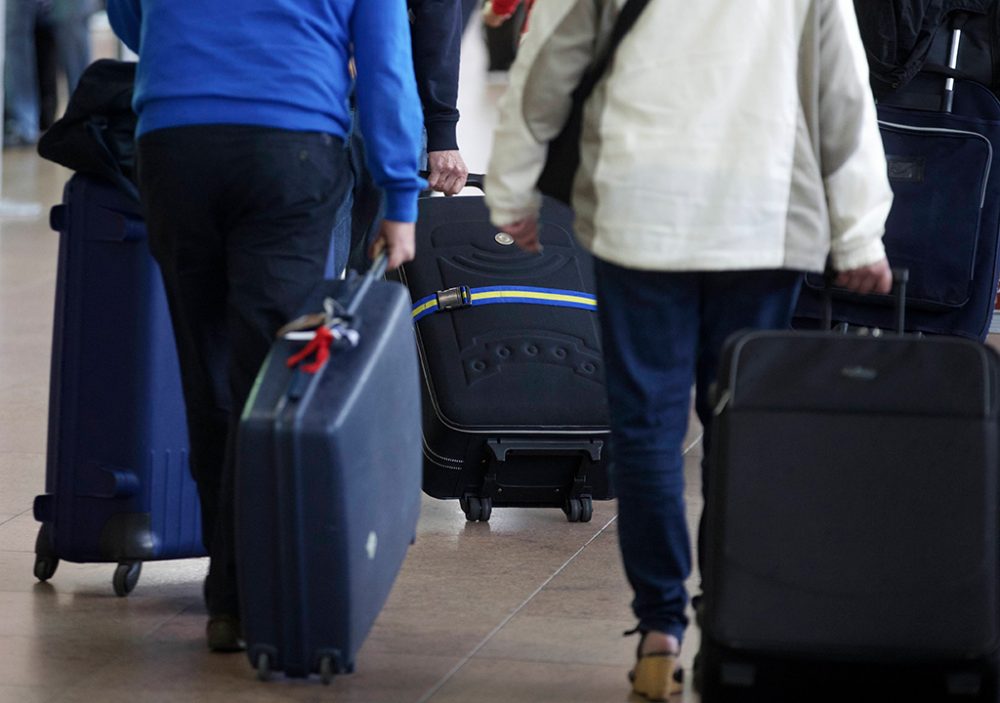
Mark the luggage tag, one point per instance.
(332, 328)
(322, 331)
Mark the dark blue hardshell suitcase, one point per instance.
(945, 220)
(328, 483)
(118, 488)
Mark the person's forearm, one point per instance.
(852, 157)
(437, 41)
(388, 106)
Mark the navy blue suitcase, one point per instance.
(118, 488)
(328, 482)
(945, 220)
(515, 409)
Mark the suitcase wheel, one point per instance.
(264, 666)
(326, 670)
(476, 509)
(126, 576)
(45, 567)
(579, 509)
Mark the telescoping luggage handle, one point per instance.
(375, 273)
(900, 277)
(948, 100)
(333, 326)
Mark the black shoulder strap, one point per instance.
(626, 18)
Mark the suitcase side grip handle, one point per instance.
(58, 218)
(132, 229)
(591, 449)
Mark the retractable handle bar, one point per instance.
(900, 278)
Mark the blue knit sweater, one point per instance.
(283, 64)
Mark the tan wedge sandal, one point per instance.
(653, 676)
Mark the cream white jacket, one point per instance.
(727, 134)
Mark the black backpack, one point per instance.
(904, 37)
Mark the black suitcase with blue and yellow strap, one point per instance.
(515, 412)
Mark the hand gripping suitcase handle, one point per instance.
(473, 180)
(900, 277)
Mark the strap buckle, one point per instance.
(451, 298)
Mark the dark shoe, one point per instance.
(225, 634)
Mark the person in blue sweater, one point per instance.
(243, 111)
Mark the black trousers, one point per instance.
(240, 219)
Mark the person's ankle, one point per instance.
(654, 642)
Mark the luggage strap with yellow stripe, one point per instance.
(463, 297)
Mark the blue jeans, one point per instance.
(663, 332)
(21, 68)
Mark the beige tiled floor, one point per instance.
(527, 608)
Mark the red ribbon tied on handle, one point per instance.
(318, 345)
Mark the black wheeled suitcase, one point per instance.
(515, 412)
(328, 480)
(852, 521)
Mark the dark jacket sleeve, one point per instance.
(437, 44)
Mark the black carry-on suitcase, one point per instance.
(515, 412)
(328, 480)
(941, 137)
(851, 525)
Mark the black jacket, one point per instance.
(97, 133)
(898, 35)
(436, 26)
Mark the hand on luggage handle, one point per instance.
(900, 277)
(473, 180)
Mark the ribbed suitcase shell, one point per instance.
(328, 489)
(500, 378)
(852, 521)
(118, 487)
